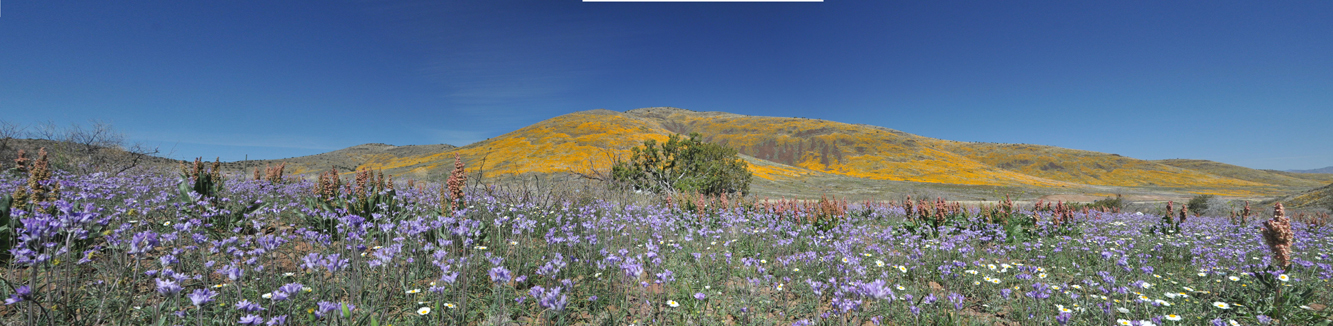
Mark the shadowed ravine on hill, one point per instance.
(822, 155)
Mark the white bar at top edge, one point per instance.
(703, 0)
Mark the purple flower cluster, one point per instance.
(549, 298)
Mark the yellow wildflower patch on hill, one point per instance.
(573, 142)
(788, 148)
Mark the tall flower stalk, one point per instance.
(1277, 234)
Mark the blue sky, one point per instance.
(1240, 83)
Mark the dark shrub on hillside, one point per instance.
(684, 165)
(1108, 203)
(1199, 203)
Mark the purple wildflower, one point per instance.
(1263, 319)
(957, 300)
(291, 287)
(251, 320)
(699, 296)
(877, 289)
(279, 320)
(324, 307)
(311, 261)
(664, 277)
(500, 275)
(247, 306)
(142, 242)
(232, 271)
(1063, 318)
(279, 296)
(333, 263)
(21, 294)
(201, 296)
(549, 298)
(167, 287)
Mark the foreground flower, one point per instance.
(251, 320)
(1263, 319)
(247, 306)
(549, 298)
(20, 294)
(1283, 277)
(279, 320)
(1222, 305)
(167, 287)
(500, 275)
(673, 303)
(423, 311)
(1173, 317)
(1278, 235)
(202, 296)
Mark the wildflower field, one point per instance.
(195, 247)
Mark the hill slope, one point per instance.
(1327, 169)
(1271, 177)
(1321, 197)
(346, 160)
(793, 148)
(886, 154)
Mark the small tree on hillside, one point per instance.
(1199, 203)
(684, 165)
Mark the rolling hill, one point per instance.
(787, 149)
(1326, 169)
(1321, 197)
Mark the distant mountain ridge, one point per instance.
(1328, 169)
(792, 149)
